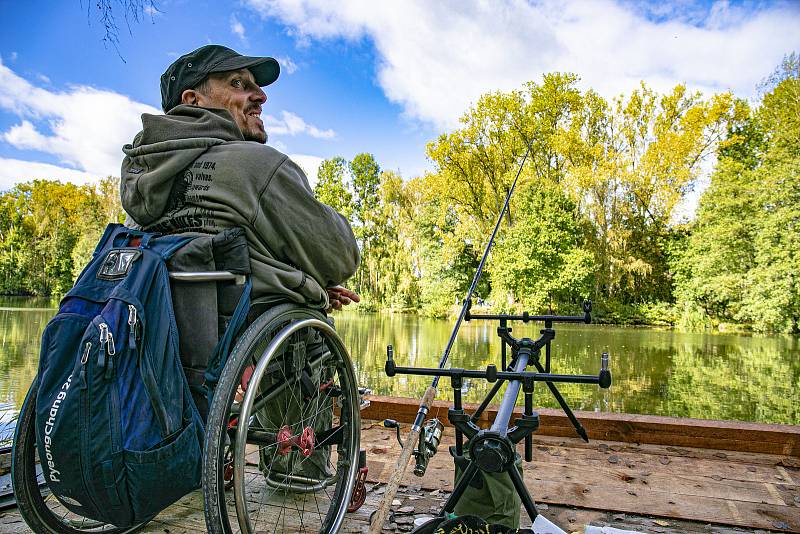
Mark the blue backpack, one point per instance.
(118, 435)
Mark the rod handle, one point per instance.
(402, 464)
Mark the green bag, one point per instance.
(290, 408)
(490, 496)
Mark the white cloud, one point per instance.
(238, 28)
(437, 58)
(291, 124)
(309, 164)
(84, 127)
(14, 171)
(287, 65)
(151, 11)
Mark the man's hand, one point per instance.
(341, 296)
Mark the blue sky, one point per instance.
(358, 75)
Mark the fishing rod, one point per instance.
(430, 393)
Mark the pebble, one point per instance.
(664, 460)
(396, 502)
(406, 510)
(613, 459)
(720, 455)
(421, 520)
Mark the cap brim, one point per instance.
(265, 69)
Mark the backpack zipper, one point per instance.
(83, 449)
(107, 348)
(133, 323)
(84, 359)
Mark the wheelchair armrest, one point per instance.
(208, 276)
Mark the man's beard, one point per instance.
(257, 138)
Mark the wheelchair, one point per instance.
(282, 432)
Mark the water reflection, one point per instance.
(660, 372)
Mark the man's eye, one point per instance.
(236, 83)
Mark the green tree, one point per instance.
(540, 261)
(635, 164)
(744, 251)
(331, 188)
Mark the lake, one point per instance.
(657, 372)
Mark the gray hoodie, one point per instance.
(191, 171)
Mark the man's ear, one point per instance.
(189, 96)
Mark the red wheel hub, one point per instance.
(303, 441)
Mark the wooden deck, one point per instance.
(665, 480)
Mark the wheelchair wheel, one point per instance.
(285, 422)
(39, 508)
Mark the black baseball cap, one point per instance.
(190, 69)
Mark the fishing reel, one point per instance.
(430, 436)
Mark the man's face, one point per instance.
(237, 92)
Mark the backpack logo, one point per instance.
(117, 263)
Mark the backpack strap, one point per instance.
(223, 347)
(108, 233)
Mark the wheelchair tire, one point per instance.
(42, 512)
(273, 490)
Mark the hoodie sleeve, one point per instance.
(310, 235)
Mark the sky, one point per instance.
(384, 77)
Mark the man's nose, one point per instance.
(258, 95)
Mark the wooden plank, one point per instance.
(723, 488)
(629, 428)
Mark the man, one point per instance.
(204, 167)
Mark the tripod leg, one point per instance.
(519, 485)
(461, 487)
(564, 406)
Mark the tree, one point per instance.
(132, 11)
(540, 261)
(744, 252)
(331, 188)
(631, 167)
